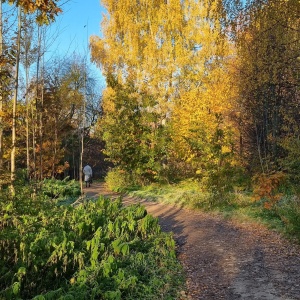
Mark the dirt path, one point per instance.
(223, 259)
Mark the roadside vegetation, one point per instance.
(282, 215)
(96, 250)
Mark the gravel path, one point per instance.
(225, 259)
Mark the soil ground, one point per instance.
(225, 259)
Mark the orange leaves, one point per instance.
(266, 187)
(47, 9)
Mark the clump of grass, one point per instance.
(289, 212)
(186, 193)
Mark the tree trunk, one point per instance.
(82, 135)
(15, 99)
(81, 159)
(41, 115)
(33, 141)
(27, 117)
(36, 131)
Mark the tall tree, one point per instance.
(134, 142)
(268, 40)
(46, 11)
(29, 50)
(173, 52)
(15, 98)
(65, 95)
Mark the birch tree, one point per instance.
(15, 99)
(46, 11)
(176, 53)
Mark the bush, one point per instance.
(118, 180)
(220, 184)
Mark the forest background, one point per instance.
(207, 90)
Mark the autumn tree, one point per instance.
(268, 38)
(14, 104)
(1, 88)
(7, 62)
(204, 137)
(69, 86)
(177, 54)
(46, 11)
(30, 50)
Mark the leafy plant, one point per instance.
(289, 212)
(97, 250)
(60, 189)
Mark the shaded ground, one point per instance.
(224, 259)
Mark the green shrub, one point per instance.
(118, 180)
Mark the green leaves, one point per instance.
(98, 250)
(16, 288)
(120, 248)
(131, 128)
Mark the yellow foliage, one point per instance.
(170, 51)
(225, 149)
(108, 100)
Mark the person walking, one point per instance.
(88, 173)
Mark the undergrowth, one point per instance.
(62, 191)
(97, 250)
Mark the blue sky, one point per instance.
(80, 19)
